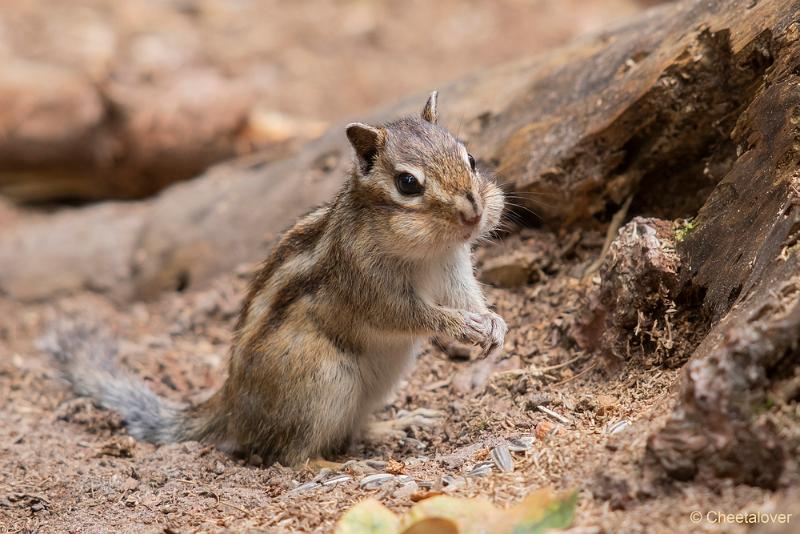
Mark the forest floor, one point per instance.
(68, 466)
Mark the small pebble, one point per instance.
(415, 443)
(219, 468)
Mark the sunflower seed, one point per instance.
(323, 473)
(619, 426)
(305, 487)
(375, 481)
(337, 479)
(502, 458)
(555, 415)
(521, 444)
(481, 469)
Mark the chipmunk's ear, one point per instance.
(429, 111)
(366, 141)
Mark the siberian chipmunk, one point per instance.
(338, 309)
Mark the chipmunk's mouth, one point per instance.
(470, 232)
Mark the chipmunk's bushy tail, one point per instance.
(87, 356)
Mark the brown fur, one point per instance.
(334, 315)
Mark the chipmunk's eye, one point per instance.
(471, 162)
(408, 184)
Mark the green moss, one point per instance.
(763, 406)
(684, 229)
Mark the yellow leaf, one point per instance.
(539, 512)
(542, 511)
(368, 517)
(468, 515)
(432, 525)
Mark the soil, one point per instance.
(69, 466)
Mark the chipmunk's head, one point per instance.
(423, 183)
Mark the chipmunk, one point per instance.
(338, 309)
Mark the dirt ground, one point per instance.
(68, 466)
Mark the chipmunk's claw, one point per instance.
(496, 334)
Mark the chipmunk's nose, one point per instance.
(470, 212)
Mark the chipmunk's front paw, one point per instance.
(496, 333)
(485, 329)
(475, 328)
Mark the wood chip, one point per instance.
(546, 428)
(395, 467)
(558, 417)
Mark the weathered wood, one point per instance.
(638, 285)
(102, 99)
(63, 136)
(649, 104)
(738, 264)
(744, 256)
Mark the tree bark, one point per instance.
(744, 256)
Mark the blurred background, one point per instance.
(106, 99)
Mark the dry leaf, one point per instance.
(539, 512)
(368, 517)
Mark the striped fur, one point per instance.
(334, 316)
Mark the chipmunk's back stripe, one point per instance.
(291, 291)
(304, 236)
(337, 335)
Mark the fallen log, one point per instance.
(744, 256)
(115, 100)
